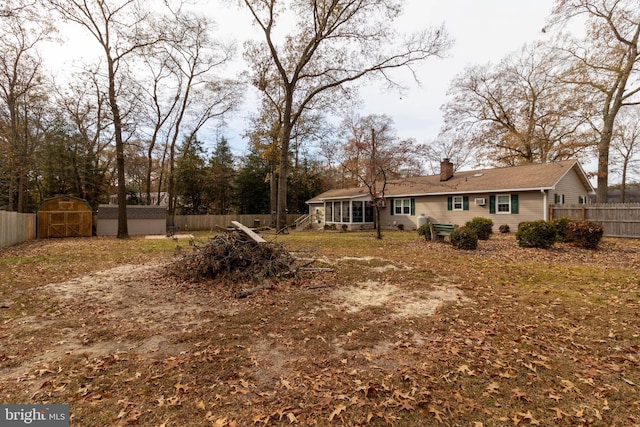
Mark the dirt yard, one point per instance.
(402, 332)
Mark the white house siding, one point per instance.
(316, 210)
(531, 207)
(571, 188)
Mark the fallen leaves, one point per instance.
(538, 339)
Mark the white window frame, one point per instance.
(508, 204)
(457, 203)
(402, 207)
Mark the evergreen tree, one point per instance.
(306, 181)
(252, 190)
(222, 174)
(191, 178)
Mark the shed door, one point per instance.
(65, 224)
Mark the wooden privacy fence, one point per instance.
(16, 228)
(617, 220)
(209, 222)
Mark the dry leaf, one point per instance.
(285, 384)
(337, 411)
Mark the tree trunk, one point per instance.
(273, 199)
(377, 221)
(171, 187)
(123, 231)
(283, 172)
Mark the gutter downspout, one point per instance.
(545, 204)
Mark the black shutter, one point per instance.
(514, 204)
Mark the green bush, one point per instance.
(585, 234)
(464, 238)
(536, 234)
(425, 231)
(504, 228)
(560, 225)
(482, 226)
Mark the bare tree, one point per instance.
(517, 111)
(626, 144)
(22, 94)
(372, 155)
(332, 43)
(121, 29)
(450, 144)
(605, 65)
(84, 103)
(193, 56)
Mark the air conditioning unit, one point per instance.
(481, 201)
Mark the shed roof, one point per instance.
(533, 177)
(133, 212)
(64, 202)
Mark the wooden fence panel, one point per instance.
(617, 220)
(16, 228)
(209, 222)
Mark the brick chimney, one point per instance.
(446, 170)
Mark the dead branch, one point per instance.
(243, 293)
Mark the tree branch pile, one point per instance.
(234, 257)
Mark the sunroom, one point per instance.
(354, 214)
(349, 209)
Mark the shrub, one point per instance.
(585, 234)
(560, 225)
(482, 226)
(400, 227)
(536, 234)
(330, 227)
(425, 231)
(464, 238)
(344, 227)
(504, 228)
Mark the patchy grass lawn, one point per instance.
(403, 332)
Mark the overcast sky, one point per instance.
(483, 30)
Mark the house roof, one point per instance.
(133, 212)
(533, 177)
(340, 193)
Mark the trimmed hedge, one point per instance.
(482, 226)
(585, 234)
(536, 234)
(425, 231)
(560, 225)
(464, 238)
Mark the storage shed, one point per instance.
(65, 216)
(140, 220)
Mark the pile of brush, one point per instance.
(234, 257)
